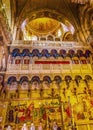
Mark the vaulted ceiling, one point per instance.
(59, 9)
(80, 16)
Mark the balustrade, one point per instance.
(44, 43)
(49, 68)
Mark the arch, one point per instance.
(68, 78)
(23, 78)
(35, 78)
(11, 79)
(58, 79)
(58, 39)
(47, 78)
(68, 37)
(78, 77)
(50, 37)
(79, 53)
(35, 52)
(43, 38)
(16, 52)
(87, 53)
(46, 12)
(87, 21)
(25, 52)
(45, 53)
(55, 14)
(54, 53)
(88, 77)
(71, 52)
(62, 53)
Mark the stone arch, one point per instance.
(46, 13)
(11, 79)
(47, 78)
(86, 21)
(62, 53)
(88, 77)
(50, 13)
(54, 53)
(23, 78)
(45, 53)
(71, 53)
(68, 37)
(35, 52)
(68, 78)
(87, 53)
(78, 77)
(16, 52)
(25, 52)
(35, 78)
(35, 82)
(58, 79)
(50, 37)
(79, 53)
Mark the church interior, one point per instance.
(46, 64)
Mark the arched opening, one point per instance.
(58, 79)
(24, 78)
(11, 79)
(47, 27)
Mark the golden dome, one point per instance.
(42, 25)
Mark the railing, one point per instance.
(48, 44)
(44, 43)
(43, 68)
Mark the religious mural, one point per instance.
(45, 111)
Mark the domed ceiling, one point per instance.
(77, 14)
(42, 25)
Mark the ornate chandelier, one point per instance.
(80, 1)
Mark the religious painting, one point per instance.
(34, 111)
